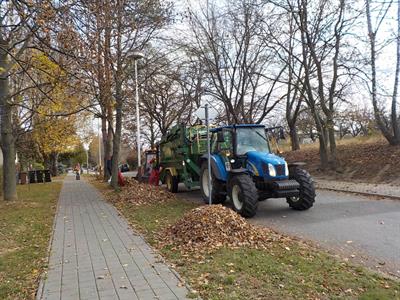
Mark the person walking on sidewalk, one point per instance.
(78, 171)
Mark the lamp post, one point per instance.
(136, 56)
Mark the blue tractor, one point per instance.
(244, 169)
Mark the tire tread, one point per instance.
(249, 189)
(307, 190)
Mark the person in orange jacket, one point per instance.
(154, 178)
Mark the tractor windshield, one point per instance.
(251, 139)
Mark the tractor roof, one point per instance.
(236, 126)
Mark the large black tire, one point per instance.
(244, 195)
(306, 197)
(172, 182)
(218, 195)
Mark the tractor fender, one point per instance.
(238, 171)
(296, 164)
(217, 166)
(293, 166)
(173, 171)
(234, 172)
(163, 173)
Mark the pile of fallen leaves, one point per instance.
(211, 227)
(140, 193)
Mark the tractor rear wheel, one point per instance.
(306, 197)
(172, 182)
(244, 195)
(218, 195)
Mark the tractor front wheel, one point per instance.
(244, 195)
(217, 191)
(172, 182)
(306, 197)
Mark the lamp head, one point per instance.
(136, 55)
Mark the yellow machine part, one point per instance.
(172, 170)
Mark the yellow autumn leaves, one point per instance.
(54, 124)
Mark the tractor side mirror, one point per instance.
(220, 137)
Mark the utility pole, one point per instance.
(137, 116)
(136, 56)
(208, 154)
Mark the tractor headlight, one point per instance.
(286, 169)
(271, 170)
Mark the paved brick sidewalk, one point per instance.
(95, 255)
(384, 190)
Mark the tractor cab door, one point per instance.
(222, 146)
(222, 142)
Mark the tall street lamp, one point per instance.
(136, 56)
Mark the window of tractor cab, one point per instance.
(226, 146)
(251, 139)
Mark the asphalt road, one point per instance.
(357, 228)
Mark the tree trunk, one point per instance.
(7, 139)
(330, 134)
(294, 138)
(323, 153)
(104, 138)
(107, 139)
(332, 148)
(22, 161)
(116, 146)
(53, 163)
(323, 146)
(46, 161)
(395, 119)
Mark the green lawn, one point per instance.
(292, 270)
(25, 228)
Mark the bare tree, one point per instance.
(93, 22)
(286, 40)
(170, 91)
(135, 25)
(387, 121)
(355, 121)
(323, 27)
(227, 39)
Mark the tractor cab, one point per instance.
(244, 169)
(247, 147)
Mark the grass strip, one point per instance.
(25, 229)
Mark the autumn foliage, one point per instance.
(207, 228)
(54, 126)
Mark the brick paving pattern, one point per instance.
(95, 255)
